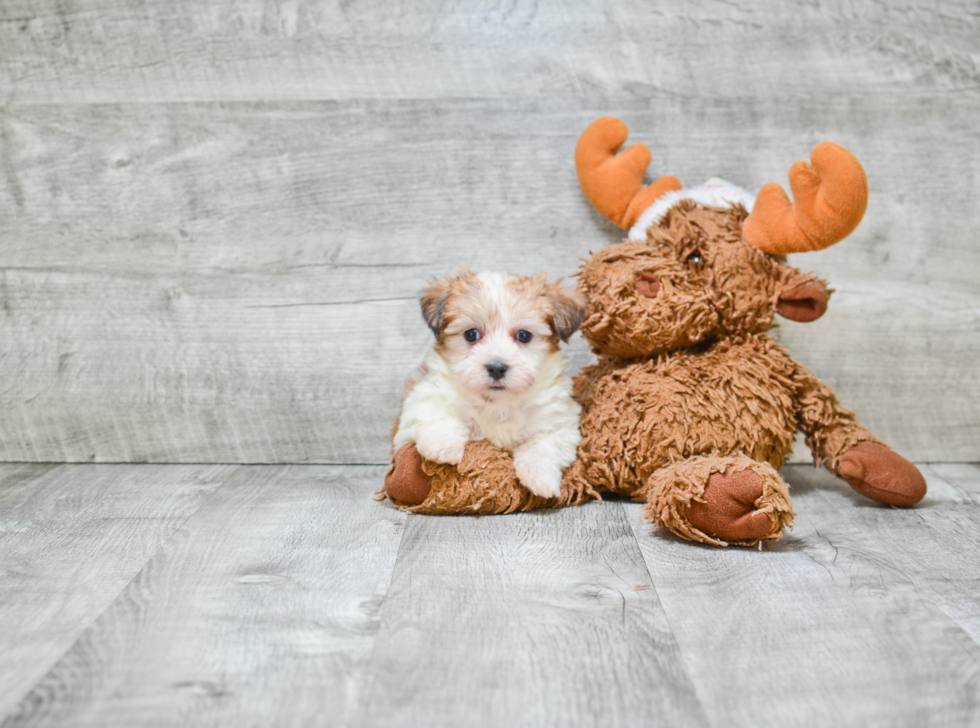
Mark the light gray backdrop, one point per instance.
(215, 218)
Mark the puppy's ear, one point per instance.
(569, 311)
(434, 300)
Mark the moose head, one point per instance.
(693, 273)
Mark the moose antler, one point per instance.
(830, 199)
(614, 183)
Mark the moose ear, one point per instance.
(569, 311)
(804, 303)
(434, 300)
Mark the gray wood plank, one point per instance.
(270, 385)
(964, 476)
(545, 618)
(16, 479)
(847, 621)
(261, 610)
(71, 538)
(288, 188)
(204, 283)
(155, 50)
(935, 550)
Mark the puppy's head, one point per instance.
(496, 329)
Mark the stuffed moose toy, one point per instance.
(691, 406)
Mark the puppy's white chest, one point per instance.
(503, 426)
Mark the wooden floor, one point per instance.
(232, 595)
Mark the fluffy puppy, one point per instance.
(496, 373)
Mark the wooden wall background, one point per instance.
(215, 217)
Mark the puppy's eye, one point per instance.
(695, 262)
(472, 335)
(524, 336)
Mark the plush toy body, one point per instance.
(691, 406)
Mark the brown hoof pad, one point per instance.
(882, 474)
(728, 511)
(405, 481)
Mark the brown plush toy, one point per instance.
(692, 406)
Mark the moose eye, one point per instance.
(524, 336)
(695, 262)
(472, 335)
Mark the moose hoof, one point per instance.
(405, 481)
(728, 511)
(882, 474)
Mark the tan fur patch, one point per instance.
(463, 298)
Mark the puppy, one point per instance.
(496, 373)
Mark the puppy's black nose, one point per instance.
(497, 370)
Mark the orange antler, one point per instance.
(830, 199)
(614, 183)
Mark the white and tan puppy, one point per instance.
(496, 373)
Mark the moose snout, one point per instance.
(647, 285)
(497, 370)
(804, 303)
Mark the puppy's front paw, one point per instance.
(442, 443)
(537, 474)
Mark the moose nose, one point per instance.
(647, 285)
(805, 303)
(497, 370)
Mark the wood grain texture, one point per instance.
(71, 539)
(243, 50)
(862, 616)
(204, 325)
(537, 619)
(965, 476)
(284, 595)
(213, 216)
(260, 610)
(942, 563)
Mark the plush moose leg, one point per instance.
(406, 483)
(881, 474)
(483, 483)
(719, 500)
(849, 451)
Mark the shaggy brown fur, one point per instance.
(484, 483)
(672, 490)
(689, 392)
